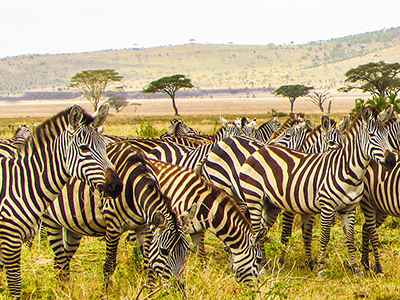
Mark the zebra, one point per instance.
(78, 211)
(67, 145)
(216, 212)
(275, 178)
(223, 165)
(380, 199)
(265, 130)
(189, 157)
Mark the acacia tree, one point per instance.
(319, 98)
(380, 79)
(292, 91)
(94, 83)
(169, 85)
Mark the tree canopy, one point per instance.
(94, 83)
(380, 79)
(169, 85)
(292, 91)
(319, 98)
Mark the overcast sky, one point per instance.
(69, 26)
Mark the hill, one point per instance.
(321, 64)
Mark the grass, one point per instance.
(215, 281)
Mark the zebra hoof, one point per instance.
(310, 264)
(379, 269)
(322, 273)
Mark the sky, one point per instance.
(71, 26)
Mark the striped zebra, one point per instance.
(189, 157)
(64, 146)
(275, 178)
(381, 199)
(223, 164)
(265, 130)
(216, 212)
(78, 212)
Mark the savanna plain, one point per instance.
(215, 280)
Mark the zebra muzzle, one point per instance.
(113, 184)
(390, 160)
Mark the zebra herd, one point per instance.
(75, 181)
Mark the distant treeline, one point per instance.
(199, 93)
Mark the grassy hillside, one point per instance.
(321, 64)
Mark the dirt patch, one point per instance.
(342, 103)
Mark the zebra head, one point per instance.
(332, 135)
(374, 136)
(293, 137)
(86, 156)
(246, 265)
(168, 248)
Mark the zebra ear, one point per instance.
(100, 115)
(187, 216)
(325, 122)
(344, 124)
(366, 114)
(75, 116)
(386, 114)
(101, 129)
(158, 220)
(260, 235)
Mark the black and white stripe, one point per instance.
(79, 211)
(63, 146)
(323, 183)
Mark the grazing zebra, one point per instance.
(78, 211)
(63, 146)
(381, 198)
(217, 213)
(275, 178)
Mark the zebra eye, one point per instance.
(84, 148)
(164, 251)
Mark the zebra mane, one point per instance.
(58, 123)
(53, 127)
(290, 122)
(357, 118)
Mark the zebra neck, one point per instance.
(352, 156)
(48, 161)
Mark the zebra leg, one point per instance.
(144, 236)
(11, 246)
(327, 215)
(198, 242)
(72, 242)
(307, 227)
(110, 263)
(287, 225)
(348, 220)
(370, 222)
(374, 237)
(56, 240)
